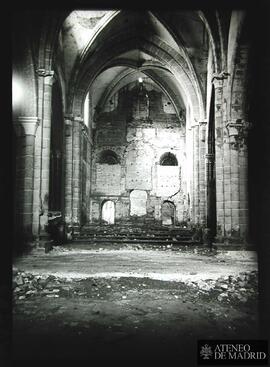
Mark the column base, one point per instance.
(233, 241)
(225, 246)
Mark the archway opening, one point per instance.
(108, 212)
(168, 213)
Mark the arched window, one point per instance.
(168, 159)
(108, 157)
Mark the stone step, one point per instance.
(137, 241)
(133, 227)
(128, 234)
(133, 232)
(131, 237)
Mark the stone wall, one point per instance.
(139, 137)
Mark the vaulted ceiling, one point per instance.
(102, 51)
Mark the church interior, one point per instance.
(133, 117)
(140, 126)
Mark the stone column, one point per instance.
(37, 182)
(237, 132)
(25, 128)
(243, 180)
(202, 174)
(68, 167)
(45, 148)
(211, 198)
(76, 171)
(189, 172)
(196, 171)
(87, 134)
(219, 167)
(224, 189)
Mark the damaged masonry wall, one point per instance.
(136, 129)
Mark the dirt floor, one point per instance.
(80, 304)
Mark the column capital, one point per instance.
(235, 127)
(48, 75)
(68, 118)
(26, 125)
(203, 122)
(78, 119)
(238, 132)
(202, 125)
(220, 76)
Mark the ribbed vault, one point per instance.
(142, 42)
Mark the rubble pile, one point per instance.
(26, 285)
(238, 288)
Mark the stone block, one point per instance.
(235, 204)
(235, 195)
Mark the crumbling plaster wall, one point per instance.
(139, 143)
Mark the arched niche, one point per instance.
(108, 212)
(168, 213)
